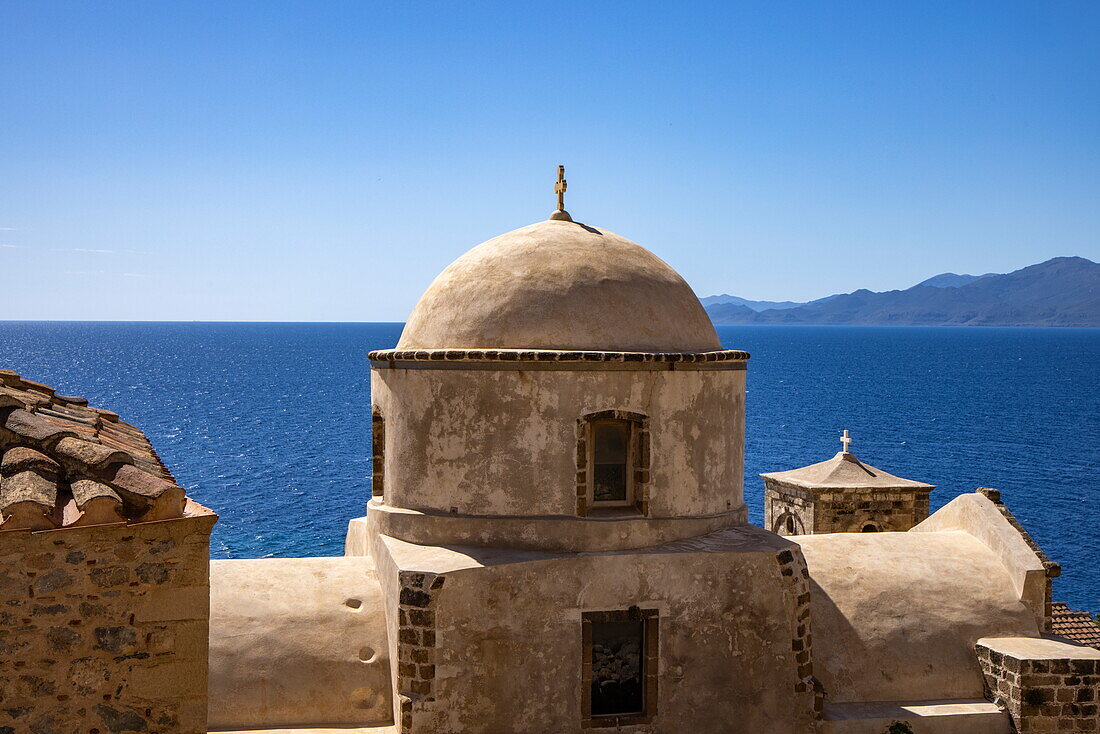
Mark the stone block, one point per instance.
(191, 602)
(175, 679)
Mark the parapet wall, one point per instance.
(984, 516)
(104, 628)
(1046, 685)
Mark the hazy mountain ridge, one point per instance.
(953, 280)
(1063, 291)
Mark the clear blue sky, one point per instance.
(323, 160)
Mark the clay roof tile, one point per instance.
(66, 463)
(89, 454)
(35, 428)
(28, 501)
(96, 503)
(21, 458)
(1074, 625)
(145, 496)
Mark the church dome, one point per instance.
(560, 285)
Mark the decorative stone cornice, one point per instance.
(554, 356)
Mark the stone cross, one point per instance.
(845, 440)
(560, 187)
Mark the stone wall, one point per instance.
(780, 502)
(416, 645)
(842, 511)
(1046, 685)
(104, 628)
(849, 511)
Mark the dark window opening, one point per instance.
(618, 668)
(619, 674)
(378, 453)
(790, 525)
(611, 462)
(869, 528)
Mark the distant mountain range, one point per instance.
(1064, 291)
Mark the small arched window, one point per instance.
(869, 528)
(788, 524)
(612, 462)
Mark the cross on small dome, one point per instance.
(845, 440)
(559, 189)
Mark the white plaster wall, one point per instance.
(503, 442)
(298, 641)
(979, 516)
(896, 615)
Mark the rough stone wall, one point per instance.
(842, 511)
(104, 628)
(781, 501)
(793, 570)
(848, 511)
(378, 453)
(1043, 695)
(416, 646)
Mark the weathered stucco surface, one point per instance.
(555, 533)
(105, 627)
(896, 615)
(506, 646)
(297, 641)
(965, 716)
(980, 517)
(560, 285)
(521, 426)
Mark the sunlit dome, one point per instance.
(560, 285)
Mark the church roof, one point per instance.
(63, 463)
(560, 285)
(843, 471)
(1074, 625)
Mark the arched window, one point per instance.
(788, 524)
(612, 462)
(869, 528)
(378, 452)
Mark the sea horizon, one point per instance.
(268, 423)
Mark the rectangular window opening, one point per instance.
(612, 479)
(620, 667)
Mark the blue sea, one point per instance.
(269, 424)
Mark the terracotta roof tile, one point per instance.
(29, 500)
(1074, 625)
(64, 463)
(21, 458)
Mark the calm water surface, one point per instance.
(269, 424)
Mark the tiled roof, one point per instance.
(63, 463)
(1074, 625)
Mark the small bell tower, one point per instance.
(842, 495)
